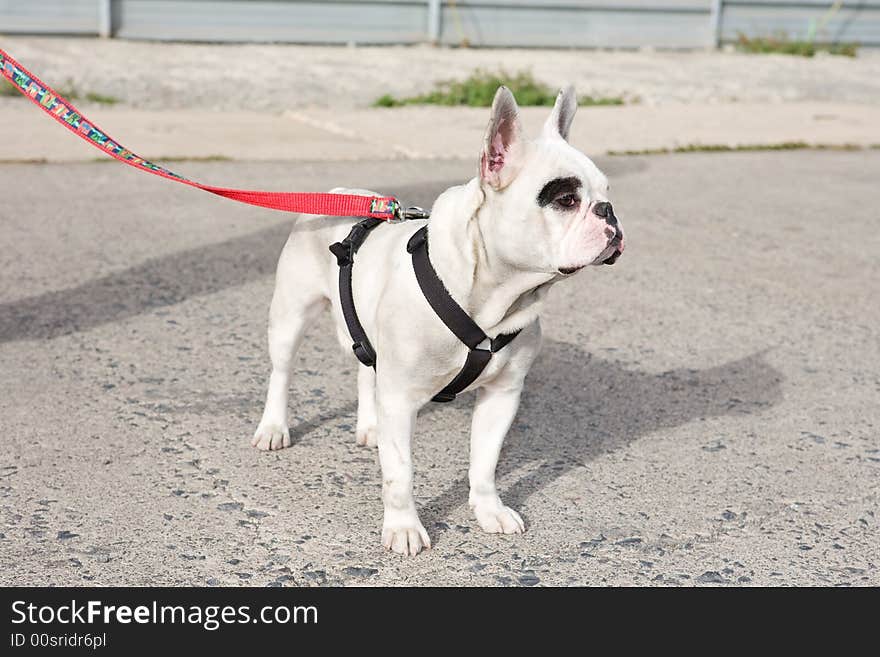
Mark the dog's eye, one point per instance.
(568, 201)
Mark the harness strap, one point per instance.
(451, 314)
(344, 252)
(455, 318)
(474, 364)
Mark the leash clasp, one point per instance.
(412, 212)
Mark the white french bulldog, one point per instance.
(537, 212)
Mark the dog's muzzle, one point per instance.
(615, 246)
(614, 249)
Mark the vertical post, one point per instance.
(105, 18)
(434, 8)
(715, 18)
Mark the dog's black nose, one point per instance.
(604, 210)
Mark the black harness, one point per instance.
(449, 312)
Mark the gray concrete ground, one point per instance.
(703, 412)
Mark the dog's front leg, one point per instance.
(365, 431)
(493, 414)
(402, 531)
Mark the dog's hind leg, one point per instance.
(294, 307)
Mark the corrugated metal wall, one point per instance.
(372, 21)
(545, 23)
(49, 16)
(855, 22)
(566, 23)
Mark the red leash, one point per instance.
(60, 109)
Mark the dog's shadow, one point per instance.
(159, 282)
(577, 407)
(175, 277)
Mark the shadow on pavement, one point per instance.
(153, 284)
(577, 407)
(176, 277)
(158, 282)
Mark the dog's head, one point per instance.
(548, 202)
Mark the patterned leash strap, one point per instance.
(63, 111)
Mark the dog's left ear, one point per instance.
(559, 121)
(502, 144)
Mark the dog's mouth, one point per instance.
(610, 260)
(612, 252)
(609, 256)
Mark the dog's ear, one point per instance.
(559, 121)
(502, 144)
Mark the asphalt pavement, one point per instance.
(703, 412)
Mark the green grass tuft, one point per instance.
(171, 158)
(782, 45)
(593, 101)
(69, 91)
(101, 98)
(724, 148)
(478, 90)
(7, 88)
(194, 158)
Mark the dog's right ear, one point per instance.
(559, 121)
(502, 144)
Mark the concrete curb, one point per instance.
(427, 132)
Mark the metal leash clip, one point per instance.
(412, 212)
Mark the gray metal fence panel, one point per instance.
(540, 23)
(577, 24)
(857, 22)
(49, 16)
(375, 21)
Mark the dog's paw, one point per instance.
(405, 540)
(367, 436)
(499, 519)
(271, 436)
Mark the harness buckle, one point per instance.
(343, 251)
(363, 350)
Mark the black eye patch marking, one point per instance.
(556, 188)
